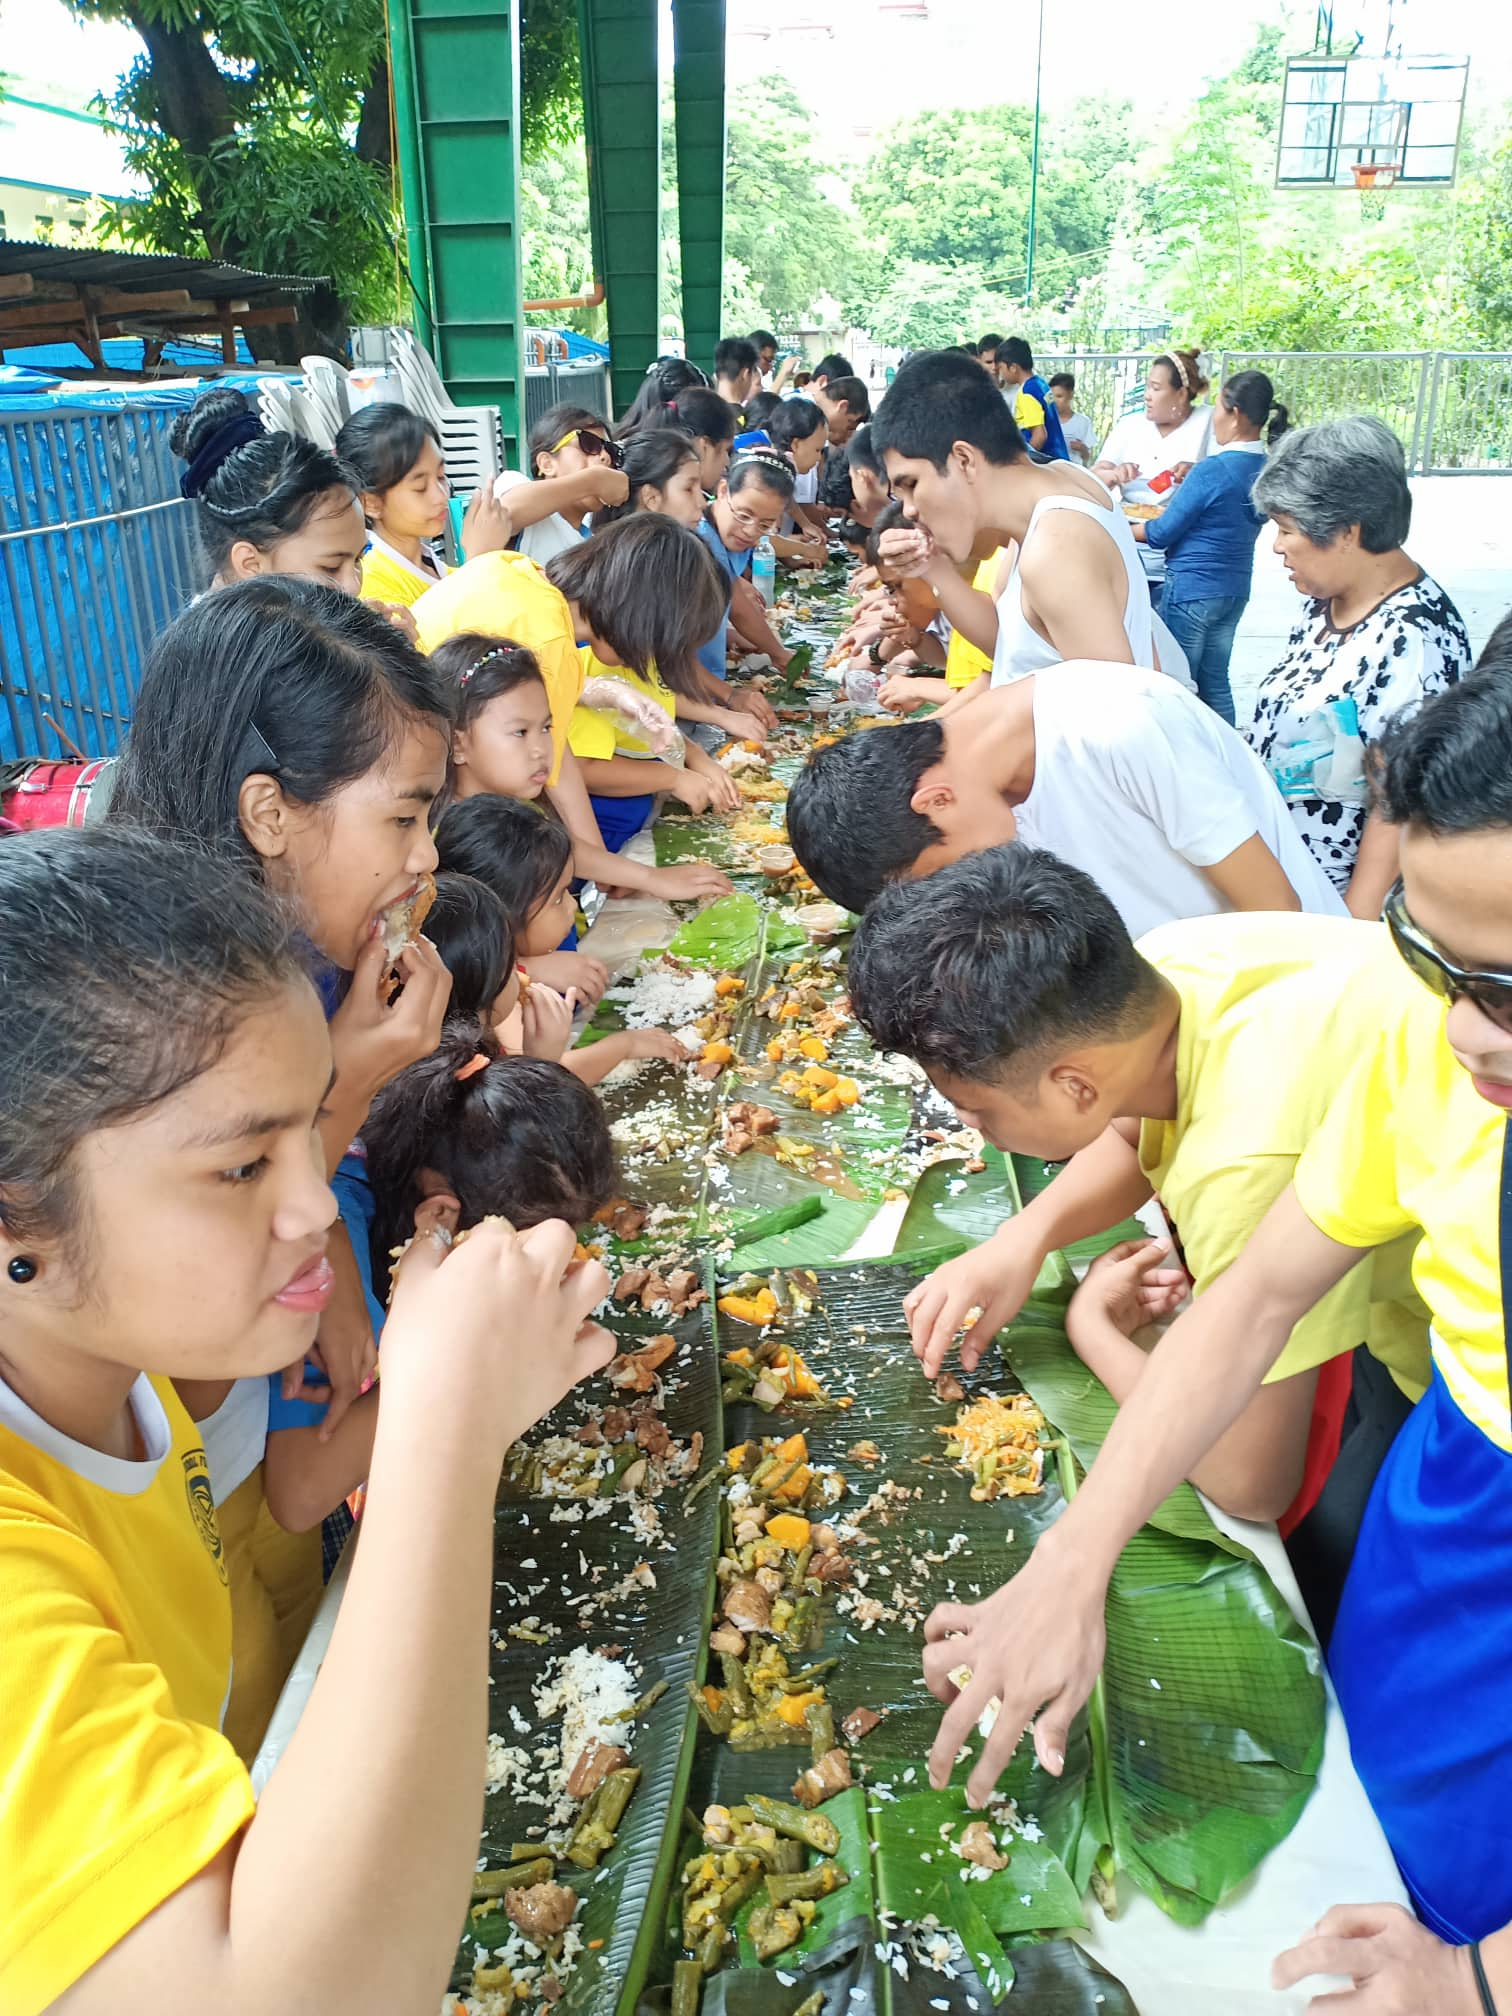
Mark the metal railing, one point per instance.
(1451, 410)
(97, 554)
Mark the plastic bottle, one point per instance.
(764, 570)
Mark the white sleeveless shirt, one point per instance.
(1020, 647)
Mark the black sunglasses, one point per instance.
(1490, 992)
(593, 443)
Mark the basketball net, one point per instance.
(1374, 181)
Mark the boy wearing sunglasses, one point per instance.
(1418, 1137)
(574, 471)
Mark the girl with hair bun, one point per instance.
(163, 1216)
(663, 382)
(1207, 530)
(267, 503)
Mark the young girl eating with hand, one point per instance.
(747, 508)
(396, 458)
(642, 593)
(163, 1215)
(519, 1138)
(525, 860)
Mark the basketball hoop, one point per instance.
(1373, 180)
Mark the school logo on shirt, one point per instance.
(202, 1506)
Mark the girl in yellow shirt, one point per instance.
(396, 458)
(165, 1216)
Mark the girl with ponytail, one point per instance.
(1207, 531)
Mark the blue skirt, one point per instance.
(620, 819)
(1421, 1657)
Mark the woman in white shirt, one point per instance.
(1173, 430)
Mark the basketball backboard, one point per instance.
(1343, 112)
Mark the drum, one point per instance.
(36, 793)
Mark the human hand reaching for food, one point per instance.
(373, 1037)
(972, 1297)
(1034, 1647)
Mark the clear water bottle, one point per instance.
(764, 570)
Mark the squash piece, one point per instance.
(795, 1488)
(758, 1309)
(789, 1012)
(827, 1102)
(792, 1708)
(774, 1051)
(847, 1091)
(718, 1053)
(713, 1698)
(815, 1047)
(819, 1078)
(788, 1529)
(741, 1355)
(728, 983)
(736, 1457)
(801, 1383)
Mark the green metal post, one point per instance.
(457, 89)
(1039, 64)
(622, 126)
(407, 134)
(698, 81)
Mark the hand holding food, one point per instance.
(751, 700)
(655, 1043)
(494, 1284)
(909, 551)
(375, 1033)
(901, 695)
(977, 1294)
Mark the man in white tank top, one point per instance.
(958, 465)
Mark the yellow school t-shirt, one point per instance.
(387, 577)
(963, 661)
(506, 595)
(1409, 1143)
(600, 732)
(115, 1660)
(1276, 1010)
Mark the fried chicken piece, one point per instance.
(635, 1371)
(822, 1780)
(860, 1722)
(631, 1282)
(595, 1762)
(542, 1911)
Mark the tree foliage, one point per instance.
(262, 133)
(789, 237)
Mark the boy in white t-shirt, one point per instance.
(1076, 427)
(1118, 770)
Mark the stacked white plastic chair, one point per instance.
(472, 437)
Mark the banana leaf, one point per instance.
(1211, 1703)
(1035, 1175)
(952, 1210)
(848, 1811)
(1051, 1978)
(539, 1576)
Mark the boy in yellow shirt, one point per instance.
(1171, 1069)
(1418, 1139)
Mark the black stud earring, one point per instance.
(21, 1270)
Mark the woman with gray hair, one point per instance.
(1378, 635)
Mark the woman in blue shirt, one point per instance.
(1207, 532)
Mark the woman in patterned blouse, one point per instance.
(1377, 635)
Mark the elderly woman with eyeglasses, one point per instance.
(1377, 636)
(574, 471)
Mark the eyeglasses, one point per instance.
(1491, 992)
(591, 443)
(748, 523)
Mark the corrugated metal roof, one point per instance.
(91, 266)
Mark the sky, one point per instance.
(867, 63)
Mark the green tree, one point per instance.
(1488, 282)
(789, 233)
(263, 135)
(925, 306)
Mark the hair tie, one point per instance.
(222, 445)
(473, 1066)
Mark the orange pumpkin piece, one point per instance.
(847, 1091)
(789, 1012)
(819, 1078)
(774, 1051)
(793, 1450)
(827, 1102)
(814, 1046)
(718, 1053)
(792, 1708)
(728, 983)
(788, 1529)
